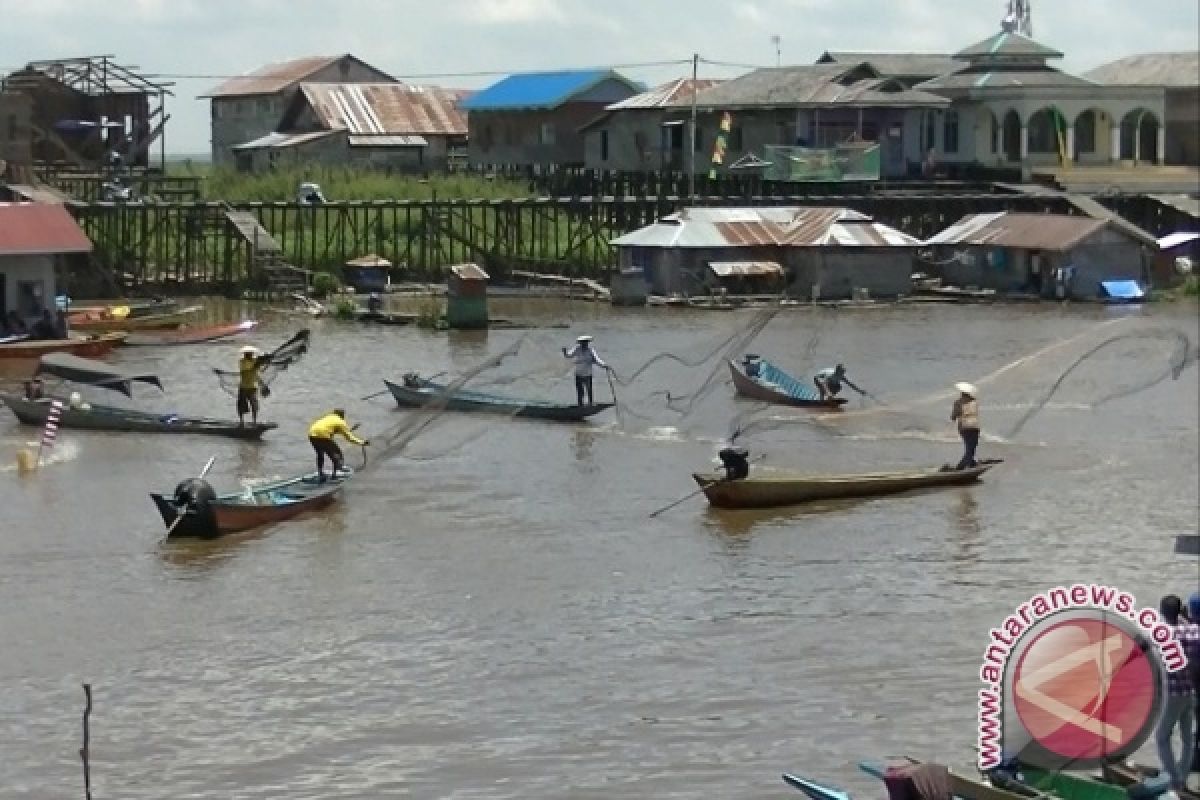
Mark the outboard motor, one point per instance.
(192, 498)
(736, 461)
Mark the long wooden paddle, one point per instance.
(180, 515)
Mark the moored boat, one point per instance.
(33, 410)
(196, 335)
(120, 319)
(416, 392)
(195, 510)
(771, 489)
(773, 385)
(924, 779)
(157, 305)
(94, 346)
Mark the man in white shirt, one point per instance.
(584, 357)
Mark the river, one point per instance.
(493, 613)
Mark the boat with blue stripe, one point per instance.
(770, 384)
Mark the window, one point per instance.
(265, 105)
(604, 145)
(929, 130)
(950, 132)
(734, 142)
(547, 133)
(1085, 132)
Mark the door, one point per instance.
(30, 299)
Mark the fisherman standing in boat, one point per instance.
(320, 436)
(966, 413)
(584, 357)
(829, 382)
(248, 383)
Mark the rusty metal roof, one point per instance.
(276, 77)
(668, 94)
(370, 260)
(1052, 232)
(277, 139)
(771, 226)
(745, 269)
(34, 229)
(813, 86)
(388, 108)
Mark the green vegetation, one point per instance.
(325, 284)
(343, 184)
(345, 309)
(1189, 288)
(431, 314)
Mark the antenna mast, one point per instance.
(1019, 18)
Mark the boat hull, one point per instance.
(100, 322)
(746, 386)
(817, 791)
(199, 335)
(785, 490)
(236, 512)
(90, 347)
(110, 418)
(428, 396)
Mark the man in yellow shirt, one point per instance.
(248, 381)
(320, 436)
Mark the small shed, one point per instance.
(1050, 255)
(466, 297)
(35, 240)
(628, 287)
(1178, 256)
(367, 273)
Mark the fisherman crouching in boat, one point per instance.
(966, 413)
(829, 382)
(584, 357)
(320, 436)
(736, 461)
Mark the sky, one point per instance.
(198, 42)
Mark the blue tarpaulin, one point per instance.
(1121, 290)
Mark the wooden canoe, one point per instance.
(106, 321)
(774, 489)
(134, 309)
(196, 335)
(86, 346)
(961, 787)
(428, 394)
(251, 508)
(113, 418)
(777, 387)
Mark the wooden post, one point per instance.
(83, 751)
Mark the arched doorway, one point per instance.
(1093, 135)
(1048, 133)
(1139, 136)
(1011, 136)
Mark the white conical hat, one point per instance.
(249, 350)
(966, 388)
(584, 338)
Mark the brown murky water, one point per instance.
(491, 613)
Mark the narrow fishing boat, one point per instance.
(417, 392)
(33, 408)
(25, 348)
(924, 780)
(1072, 786)
(119, 319)
(196, 335)
(783, 488)
(773, 385)
(157, 305)
(195, 510)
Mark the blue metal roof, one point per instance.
(539, 89)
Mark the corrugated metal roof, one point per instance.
(387, 140)
(918, 65)
(1173, 240)
(371, 260)
(1180, 202)
(388, 108)
(772, 226)
(981, 76)
(1053, 232)
(746, 269)
(670, 93)
(1006, 45)
(541, 89)
(813, 85)
(28, 229)
(278, 139)
(272, 77)
(469, 272)
(1150, 69)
